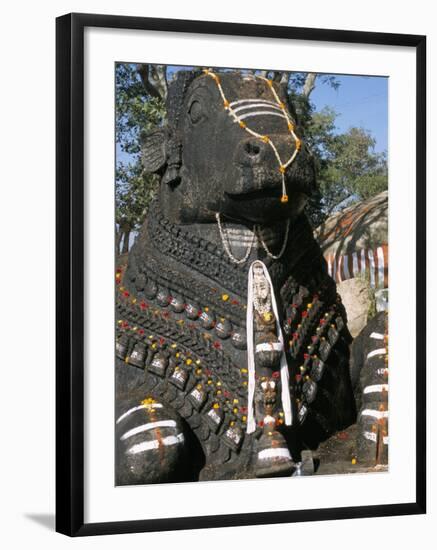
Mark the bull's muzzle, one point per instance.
(253, 151)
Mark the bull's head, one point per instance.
(212, 159)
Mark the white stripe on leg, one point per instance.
(150, 445)
(148, 426)
(139, 407)
(379, 351)
(377, 388)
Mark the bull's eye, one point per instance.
(195, 112)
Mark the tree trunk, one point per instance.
(126, 235)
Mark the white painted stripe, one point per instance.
(377, 336)
(379, 351)
(374, 413)
(279, 452)
(339, 269)
(380, 254)
(155, 444)
(372, 437)
(253, 105)
(264, 101)
(273, 346)
(355, 269)
(376, 388)
(145, 406)
(330, 266)
(148, 426)
(347, 275)
(371, 268)
(261, 113)
(363, 262)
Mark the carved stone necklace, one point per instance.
(284, 244)
(225, 242)
(255, 234)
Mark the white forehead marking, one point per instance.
(265, 101)
(253, 105)
(260, 113)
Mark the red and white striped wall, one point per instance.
(370, 263)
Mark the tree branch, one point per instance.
(154, 79)
(310, 84)
(281, 77)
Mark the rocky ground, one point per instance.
(337, 456)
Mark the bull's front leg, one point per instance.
(370, 363)
(151, 444)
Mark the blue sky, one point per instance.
(359, 101)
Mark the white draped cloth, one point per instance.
(285, 392)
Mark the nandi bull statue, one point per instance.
(232, 345)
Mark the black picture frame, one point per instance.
(70, 273)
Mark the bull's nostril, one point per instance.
(252, 149)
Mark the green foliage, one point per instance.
(136, 113)
(353, 172)
(348, 168)
(133, 193)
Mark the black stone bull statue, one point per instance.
(232, 345)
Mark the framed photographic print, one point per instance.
(240, 274)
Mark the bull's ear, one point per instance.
(174, 161)
(154, 150)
